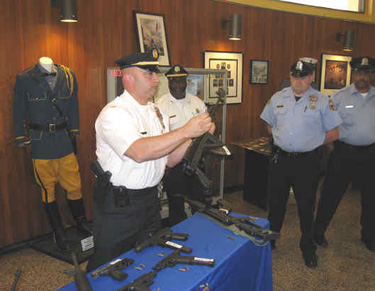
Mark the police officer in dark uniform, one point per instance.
(301, 120)
(353, 156)
(45, 99)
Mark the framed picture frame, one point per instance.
(335, 73)
(259, 71)
(232, 62)
(151, 33)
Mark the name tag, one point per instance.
(144, 132)
(172, 116)
(279, 106)
(349, 106)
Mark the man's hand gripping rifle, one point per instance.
(162, 238)
(206, 142)
(242, 223)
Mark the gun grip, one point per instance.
(118, 275)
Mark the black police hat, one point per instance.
(363, 64)
(301, 69)
(176, 71)
(146, 61)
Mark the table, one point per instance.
(239, 264)
(258, 153)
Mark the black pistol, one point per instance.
(162, 238)
(103, 177)
(141, 283)
(113, 269)
(175, 258)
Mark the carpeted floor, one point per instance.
(345, 265)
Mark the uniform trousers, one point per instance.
(301, 172)
(178, 185)
(118, 229)
(64, 171)
(347, 164)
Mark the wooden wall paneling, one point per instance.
(104, 33)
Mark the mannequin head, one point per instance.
(46, 63)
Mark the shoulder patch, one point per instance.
(332, 105)
(268, 102)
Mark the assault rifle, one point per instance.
(175, 258)
(141, 283)
(242, 223)
(161, 238)
(196, 149)
(113, 269)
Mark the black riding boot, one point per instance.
(77, 209)
(54, 218)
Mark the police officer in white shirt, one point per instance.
(180, 106)
(134, 144)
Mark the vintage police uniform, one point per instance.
(353, 158)
(47, 104)
(176, 183)
(298, 129)
(129, 210)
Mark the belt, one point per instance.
(294, 155)
(52, 127)
(349, 146)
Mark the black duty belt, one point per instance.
(349, 146)
(294, 155)
(52, 127)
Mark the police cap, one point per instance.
(176, 71)
(146, 61)
(301, 69)
(363, 64)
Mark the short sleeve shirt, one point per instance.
(358, 115)
(300, 126)
(180, 111)
(122, 122)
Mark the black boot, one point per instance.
(54, 218)
(77, 209)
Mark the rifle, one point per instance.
(80, 279)
(242, 223)
(113, 269)
(196, 149)
(175, 258)
(161, 238)
(141, 283)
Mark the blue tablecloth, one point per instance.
(240, 265)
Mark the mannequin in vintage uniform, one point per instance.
(45, 100)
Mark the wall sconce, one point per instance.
(235, 29)
(68, 10)
(348, 43)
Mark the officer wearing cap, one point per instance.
(300, 120)
(353, 156)
(180, 107)
(134, 145)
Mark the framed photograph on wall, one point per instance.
(259, 71)
(151, 33)
(335, 73)
(232, 62)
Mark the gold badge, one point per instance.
(332, 105)
(197, 110)
(313, 99)
(177, 69)
(155, 53)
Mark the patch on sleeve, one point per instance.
(268, 102)
(332, 105)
